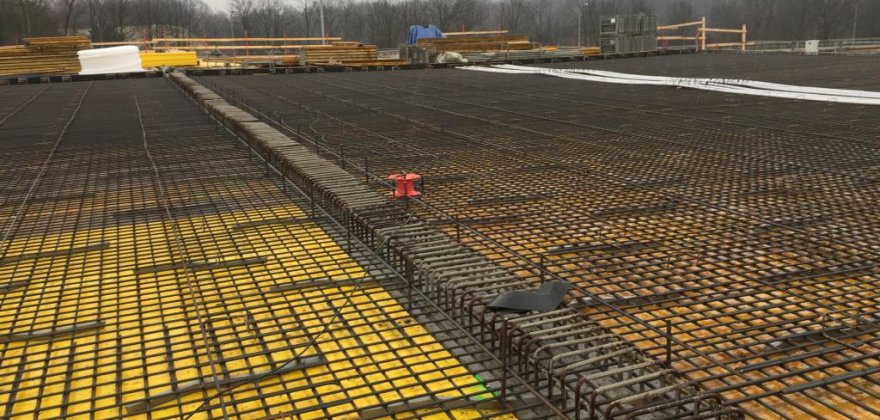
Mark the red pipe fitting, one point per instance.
(404, 185)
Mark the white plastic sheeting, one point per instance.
(125, 59)
(736, 86)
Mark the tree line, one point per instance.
(384, 22)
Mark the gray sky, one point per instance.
(219, 5)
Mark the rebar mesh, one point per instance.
(747, 225)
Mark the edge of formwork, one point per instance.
(585, 369)
(30, 79)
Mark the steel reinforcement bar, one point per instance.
(598, 373)
(746, 225)
(132, 210)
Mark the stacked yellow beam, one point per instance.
(169, 59)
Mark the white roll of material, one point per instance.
(736, 86)
(124, 59)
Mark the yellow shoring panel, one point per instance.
(170, 59)
(379, 354)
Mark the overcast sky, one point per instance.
(219, 5)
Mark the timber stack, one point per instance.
(48, 55)
(338, 52)
(252, 60)
(590, 51)
(480, 43)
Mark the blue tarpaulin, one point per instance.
(417, 32)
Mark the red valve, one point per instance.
(404, 185)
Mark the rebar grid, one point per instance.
(96, 319)
(582, 356)
(746, 224)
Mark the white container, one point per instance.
(124, 59)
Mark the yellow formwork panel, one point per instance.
(375, 351)
(169, 59)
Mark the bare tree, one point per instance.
(30, 15)
(869, 18)
(106, 19)
(310, 16)
(268, 14)
(243, 12)
(440, 13)
(348, 19)
(542, 19)
(831, 14)
(514, 13)
(119, 10)
(69, 9)
(725, 14)
(385, 22)
(682, 11)
(469, 13)
(451, 15)
(637, 6)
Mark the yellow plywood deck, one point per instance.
(151, 338)
(379, 354)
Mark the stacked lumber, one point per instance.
(59, 43)
(372, 63)
(498, 42)
(50, 55)
(472, 33)
(253, 60)
(337, 53)
(285, 59)
(226, 44)
(346, 44)
(591, 51)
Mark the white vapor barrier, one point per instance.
(735, 86)
(740, 82)
(124, 59)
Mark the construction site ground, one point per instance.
(152, 266)
(749, 224)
